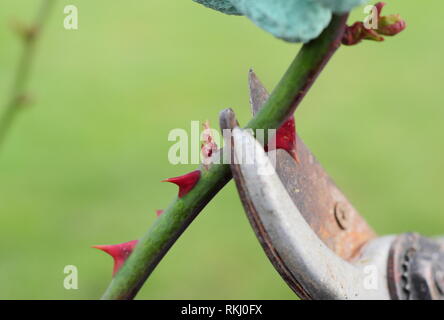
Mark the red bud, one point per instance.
(391, 25)
(208, 146)
(387, 26)
(119, 252)
(379, 6)
(357, 32)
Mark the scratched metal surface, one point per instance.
(305, 262)
(323, 205)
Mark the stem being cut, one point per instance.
(282, 103)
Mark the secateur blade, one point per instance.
(325, 208)
(312, 234)
(305, 262)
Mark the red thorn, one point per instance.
(286, 138)
(186, 182)
(159, 212)
(119, 252)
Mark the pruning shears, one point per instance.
(318, 242)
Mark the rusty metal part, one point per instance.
(342, 215)
(227, 119)
(416, 268)
(314, 236)
(323, 205)
(309, 267)
(258, 93)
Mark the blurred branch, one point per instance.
(169, 226)
(18, 97)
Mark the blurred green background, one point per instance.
(82, 165)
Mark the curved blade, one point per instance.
(309, 267)
(326, 209)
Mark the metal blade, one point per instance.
(326, 209)
(309, 267)
(258, 94)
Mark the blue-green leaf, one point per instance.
(224, 6)
(341, 6)
(291, 20)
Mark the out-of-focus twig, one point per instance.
(18, 96)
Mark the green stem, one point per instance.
(17, 99)
(169, 226)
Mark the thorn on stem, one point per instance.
(159, 212)
(286, 138)
(186, 182)
(119, 252)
